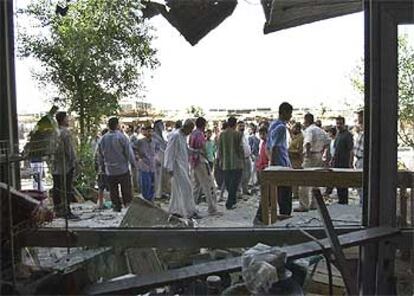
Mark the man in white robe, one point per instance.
(176, 162)
(160, 146)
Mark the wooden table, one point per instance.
(274, 176)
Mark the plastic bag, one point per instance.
(263, 266)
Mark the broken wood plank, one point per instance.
(140, 284)
(349, 280)
(185, 238)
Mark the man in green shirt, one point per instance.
(210, 148)
(231, 160)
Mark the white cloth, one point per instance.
(316, 137)
(176, 161)
(332, 148)
(246, 147)
(37, 168)
(306, 200)
(158, 174)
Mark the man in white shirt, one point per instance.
(359, 147)
(314, 144)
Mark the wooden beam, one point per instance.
(140, 284)
(8, 119)
(170, 237)
(325, 177)
(383, 84)
(341, 264)
(368, 252)
(285, 14)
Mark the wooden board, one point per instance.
(172, 237)
(318, 177)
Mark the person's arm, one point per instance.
(333, 157)
(67, 146)
(127, 149)
(243, 142)
(279, 140)
(300, 146)
(219, 152)
(351, 150)
(131, 155)
(269, 145)
(307, 140)
(307, 149)
(101, 160)
(214, 149)
(69, 151)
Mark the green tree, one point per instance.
(405, 89)
(94, 55)
(195, 111)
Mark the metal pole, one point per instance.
(10, 216)
(65, 194)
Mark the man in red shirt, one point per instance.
(262, 161)
(199, 164)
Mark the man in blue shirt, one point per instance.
(115, 154)
(277, 149)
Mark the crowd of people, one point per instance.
(193, 163)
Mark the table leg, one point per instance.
(265, 202)
(273, 203)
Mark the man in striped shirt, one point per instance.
(231, 160)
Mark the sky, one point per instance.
(237, 66)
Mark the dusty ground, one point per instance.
(241, 216)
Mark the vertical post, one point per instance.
(367, 268)
(10, 212)
(412, 225)
(381, 81)
(8, 118)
